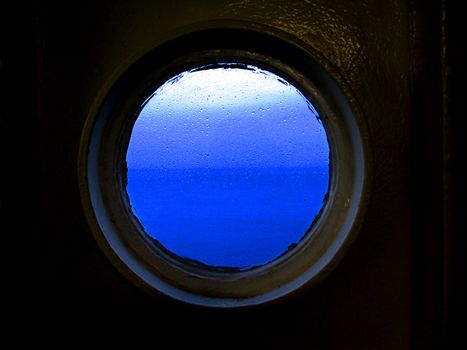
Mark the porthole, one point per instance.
(224, 172)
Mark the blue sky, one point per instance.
(227, 117)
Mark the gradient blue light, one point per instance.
(227, 166)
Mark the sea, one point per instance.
(227, 217)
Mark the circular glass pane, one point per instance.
(227, 166)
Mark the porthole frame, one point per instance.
(102, 163)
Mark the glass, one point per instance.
(227, 166)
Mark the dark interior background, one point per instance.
(399, 286)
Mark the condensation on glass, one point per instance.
(227, 166)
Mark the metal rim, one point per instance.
(103, 189)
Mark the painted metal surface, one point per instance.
(363, 304)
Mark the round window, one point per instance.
(224, 172)
(227, 166)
